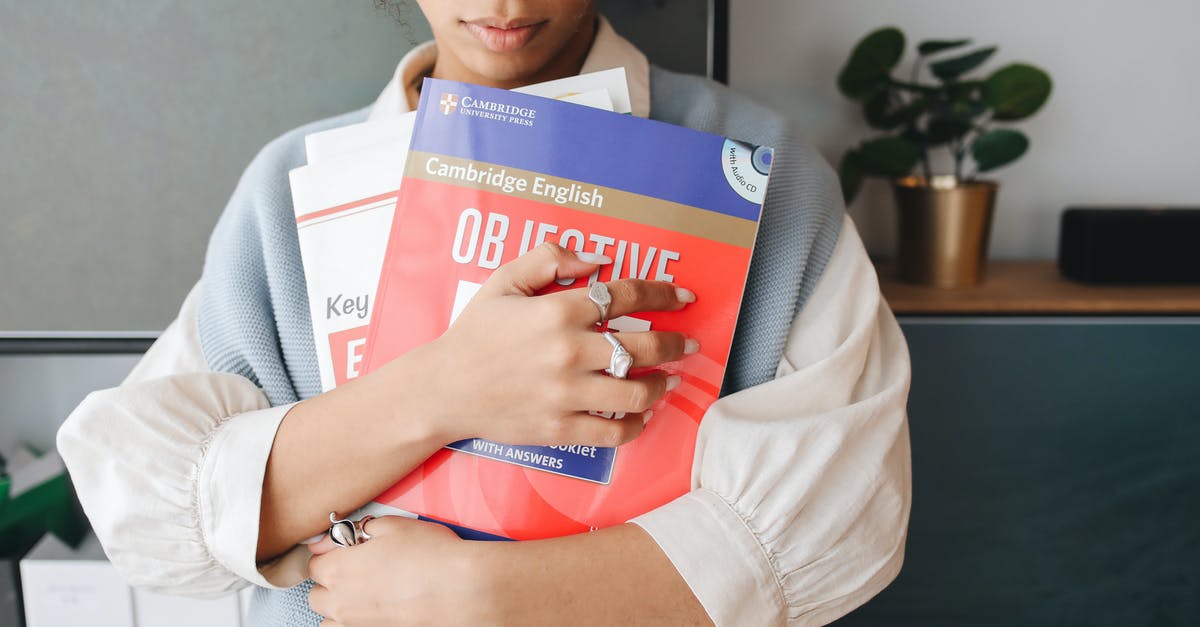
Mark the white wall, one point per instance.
(1122, 125)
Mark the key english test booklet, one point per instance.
(491, 174)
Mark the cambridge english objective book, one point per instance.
(491, 174)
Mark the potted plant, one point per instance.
(945, 218)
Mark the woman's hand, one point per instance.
(418, 573)
(514, 368)
(409, 573)
(525, 369)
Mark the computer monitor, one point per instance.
(688, 36)
(44, 376)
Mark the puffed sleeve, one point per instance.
(169, 469)
(802, 485)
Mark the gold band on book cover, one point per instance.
(617, 204)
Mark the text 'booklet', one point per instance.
(491, 174)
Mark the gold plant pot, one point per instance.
(944, 229)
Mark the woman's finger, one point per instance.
(322, 546)
(318, 600)
(382, 526)
(648, 348)
(584, 429)
(539, 267)
(598, 392)
(329, 623)
(628, 296)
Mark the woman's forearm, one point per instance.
(615, 576)
(337, 451)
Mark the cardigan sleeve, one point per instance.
(802, 486)
(169, 469)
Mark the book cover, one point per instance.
(491, 174)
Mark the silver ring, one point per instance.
(346, 532)
(360, 528)
(621, 361)
(598, 293)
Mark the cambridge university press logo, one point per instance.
(448, 104)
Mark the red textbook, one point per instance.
(490, 175)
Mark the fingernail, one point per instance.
(594, 258)
(315, 539)
(684, 295)
(646, 416)
(673, 382)
(691, 346)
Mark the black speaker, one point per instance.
(1130, 245)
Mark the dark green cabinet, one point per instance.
(1056, 474)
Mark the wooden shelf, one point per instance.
(1035, 287)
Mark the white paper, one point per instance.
(585, 89)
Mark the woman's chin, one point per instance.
(505, 69)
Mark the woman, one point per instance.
(216, 459)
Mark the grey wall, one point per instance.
(126, 123)
(1121, 126)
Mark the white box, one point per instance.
(63, 586)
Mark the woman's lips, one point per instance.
(504, 36)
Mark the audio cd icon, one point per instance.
(746, 168)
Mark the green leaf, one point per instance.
(1016, 91)
(945, 128)
(883, 114)
(887, 156)
(850, 175)
(934, 46)
(909, 112)
(915, 136)
(950, 69)
(963, 88)
(998, 147)
(870, 63)
(964, 109)
(876, 109)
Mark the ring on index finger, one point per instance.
(598, 293)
